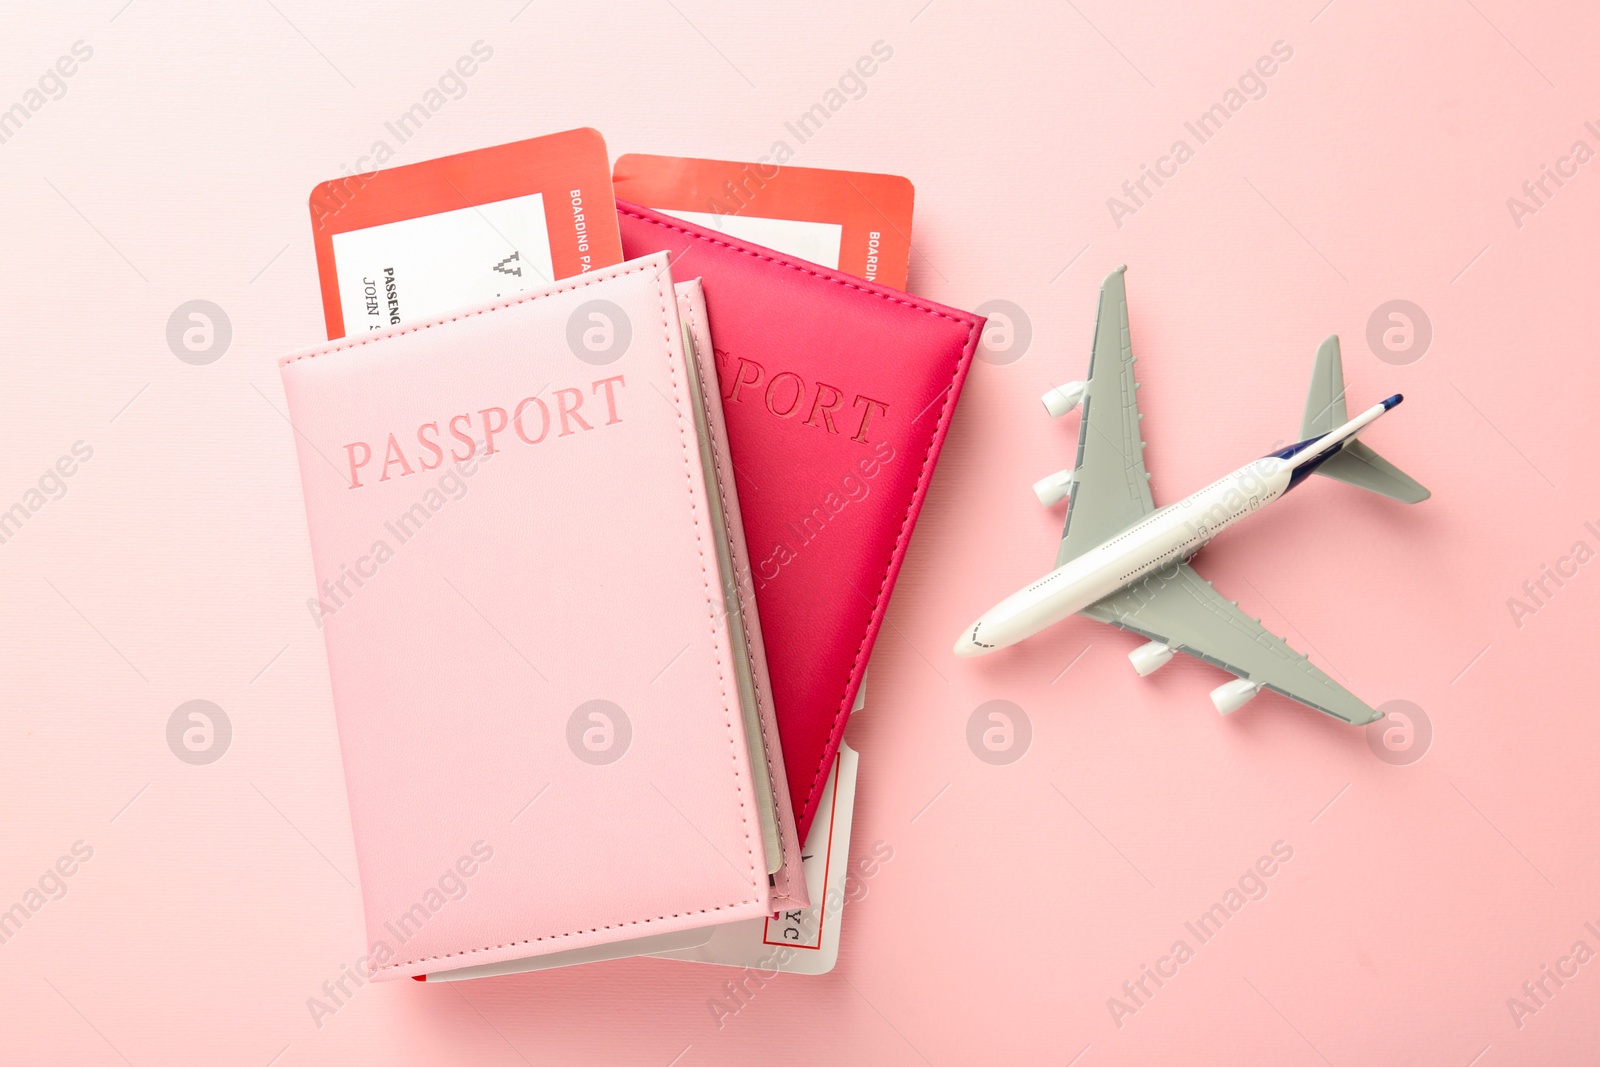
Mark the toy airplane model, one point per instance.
(1123, 561)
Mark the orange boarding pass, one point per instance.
(412, 242)
(850, 221)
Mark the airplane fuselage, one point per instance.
(1165, 536)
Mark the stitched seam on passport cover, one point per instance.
(571, 933)
(742, 587)
(920, 489)
(663, 295)
(757, 883)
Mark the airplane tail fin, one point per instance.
(1356, 464)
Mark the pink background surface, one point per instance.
(1020, 897)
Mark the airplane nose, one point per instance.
(967, 644)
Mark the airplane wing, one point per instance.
(1111, 490)
(1180, 609)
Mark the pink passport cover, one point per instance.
(476, 612)
(838, 394)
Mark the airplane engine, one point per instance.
(1054, 489)
(1149, 658)
(1063, 398)
(1231, 696)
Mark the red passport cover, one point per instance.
(838, 394)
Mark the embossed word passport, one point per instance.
(549, 706)
(838, 394)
